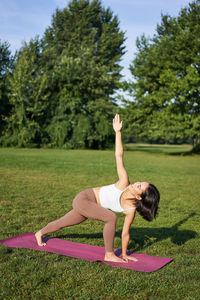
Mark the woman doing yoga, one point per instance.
(100, 203)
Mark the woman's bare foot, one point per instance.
(38, 236)
(112, 257)
(127, 258)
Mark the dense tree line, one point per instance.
(61, 86)
(59, 91)
(166, 86)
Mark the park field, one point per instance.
(38, 186)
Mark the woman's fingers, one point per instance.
(117, 125)
(116, 118)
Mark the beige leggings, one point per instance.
(86, 207)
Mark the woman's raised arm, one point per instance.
(123, 181)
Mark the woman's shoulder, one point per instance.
(121, 186)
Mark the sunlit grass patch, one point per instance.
(37, 186)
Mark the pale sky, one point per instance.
(21, 20)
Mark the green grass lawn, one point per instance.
(38, 186)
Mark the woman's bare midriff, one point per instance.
(96, 192)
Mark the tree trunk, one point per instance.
(196, 145)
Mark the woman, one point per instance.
(100, 203)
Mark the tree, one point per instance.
(5, 68)
(166, 86)
(81, 53)
(28, 99)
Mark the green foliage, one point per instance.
(81, 51)
(166, 73)
(81, 85)
(61, 89)
(5, 68)
(27, 87)
(83, 46)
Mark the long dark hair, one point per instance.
(147, 207)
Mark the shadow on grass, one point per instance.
(167, 150)
(145, 237)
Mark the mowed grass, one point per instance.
(38, 186)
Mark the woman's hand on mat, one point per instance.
(127, 258)
(38, 237)
(117, 125)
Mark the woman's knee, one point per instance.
(77, 201)
(112, 218)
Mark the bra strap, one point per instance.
(129, 209)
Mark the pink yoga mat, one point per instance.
(145, 263)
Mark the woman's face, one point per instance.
(138, 188)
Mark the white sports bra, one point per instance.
(109, 197)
